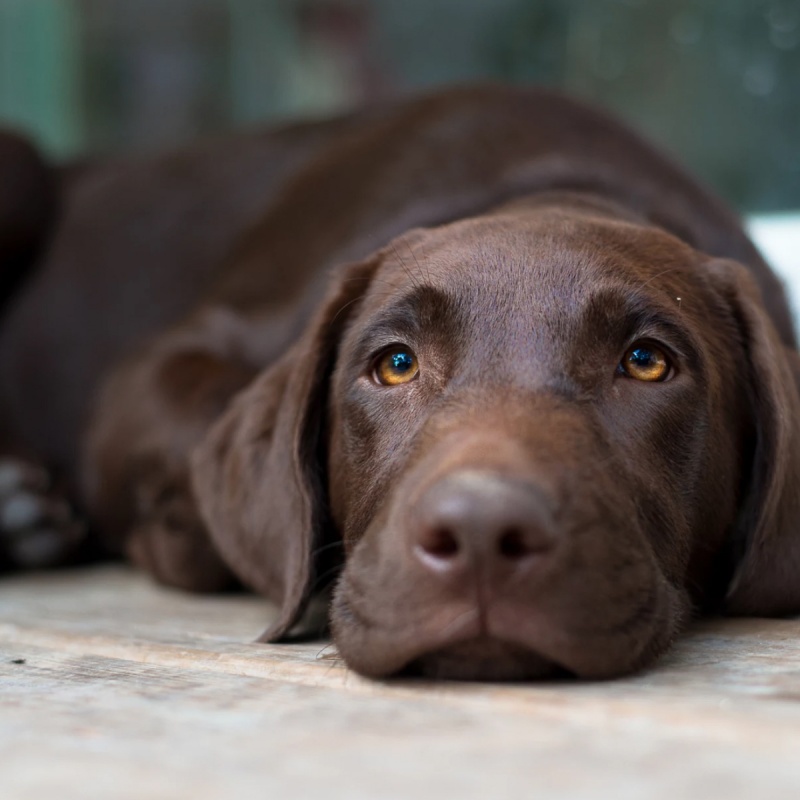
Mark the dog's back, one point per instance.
(135, 243)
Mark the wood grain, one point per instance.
(113, 688)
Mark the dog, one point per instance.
(483, 360)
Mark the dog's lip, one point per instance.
(463, 648)
(539, 640)
(483, 658)
(380, 652)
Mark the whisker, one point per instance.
(657, 275)
(388, 293)
(416, 261)
(345, 306)
(414, 282)
(333, 655)
(454, 622)
(324, 548)
(369, 279)
(320, 579)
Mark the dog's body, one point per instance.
(432, 333)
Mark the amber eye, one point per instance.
(645, 362)
(397, 365)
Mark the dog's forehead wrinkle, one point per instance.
(484, 279)
(511, 255)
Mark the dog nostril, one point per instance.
(512, 545)
(440, 543)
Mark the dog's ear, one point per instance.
(766, 543)
(259, 474)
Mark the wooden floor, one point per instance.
(112, 688)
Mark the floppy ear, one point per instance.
(766, 545)
(258, 475)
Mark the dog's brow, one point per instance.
(641, 315)
(645, 316)
(412, 313)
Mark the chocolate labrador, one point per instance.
(513, 382)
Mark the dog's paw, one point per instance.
(38, 527)
(170, 540)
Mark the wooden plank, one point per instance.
(128, 690)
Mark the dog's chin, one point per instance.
(483, 658)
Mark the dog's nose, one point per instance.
(475, 520)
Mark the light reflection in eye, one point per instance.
(396, 366)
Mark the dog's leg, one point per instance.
(166, 537)
(151, 413)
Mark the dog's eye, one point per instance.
(395, 366)
(645, 362)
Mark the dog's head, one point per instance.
(542, 435)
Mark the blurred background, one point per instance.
(716, 82)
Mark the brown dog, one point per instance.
(538, 387)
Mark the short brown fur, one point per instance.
(194, 355)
